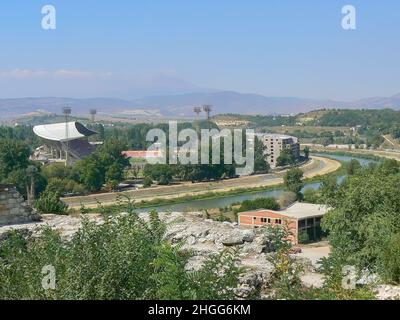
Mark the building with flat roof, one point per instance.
(303, 220)
(275, 143)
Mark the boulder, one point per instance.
(232, 239)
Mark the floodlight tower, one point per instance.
(207, 108)
(197, 111)
(93, 113)
(67, 112)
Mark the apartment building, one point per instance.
(275, 143)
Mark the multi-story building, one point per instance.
(275, 143)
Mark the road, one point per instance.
(315, 167)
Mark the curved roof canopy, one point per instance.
(63, 131)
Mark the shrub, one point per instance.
(259, 203)
(49, 202)
(391, 259)
(123, 258)
(64, 186)
(147, 182)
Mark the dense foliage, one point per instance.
(259, 203)
(49, 202)
(124, 258)
(293, 181)
(364, 224)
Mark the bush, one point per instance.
(259, 203)
(49, 202)
(147, 182)
(64, 186)
(123, 258)
(391, 259)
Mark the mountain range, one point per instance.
(181, 105)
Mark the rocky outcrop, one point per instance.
(13, 208)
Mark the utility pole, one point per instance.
(67, 113)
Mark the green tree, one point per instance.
(352, 167)
(307, 152)
(14, 155)
(114, 175)
(285, 158)
(293, 181)
(260, 159)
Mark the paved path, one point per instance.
(317, 166)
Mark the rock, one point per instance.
(252, 248)
(232, 240)
(387, 292)
(191, 240)
(248, 235)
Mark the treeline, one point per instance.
(164, 174)
(385, 118)
(134, 135)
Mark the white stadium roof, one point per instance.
(58, 131)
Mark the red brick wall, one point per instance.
(253, 219)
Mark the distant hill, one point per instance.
(182, 105)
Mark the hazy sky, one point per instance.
(132, 48)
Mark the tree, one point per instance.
(364, 220)
(91, 173)
(293, 181)
(260, 160)
(14, 155)
(352, 167)
(307, 152)
(285, 158)
(162, 173)
(114, 175)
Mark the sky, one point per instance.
(128, 49)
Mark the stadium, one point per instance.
(63, 142)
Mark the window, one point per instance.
(278, 221)
(264, 220)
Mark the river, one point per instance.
(196, 205)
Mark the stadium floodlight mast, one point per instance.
(67, 112)
(93, 113)
(207, 108)
(197, 111)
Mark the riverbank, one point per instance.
(362, 153)
(317, 167)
